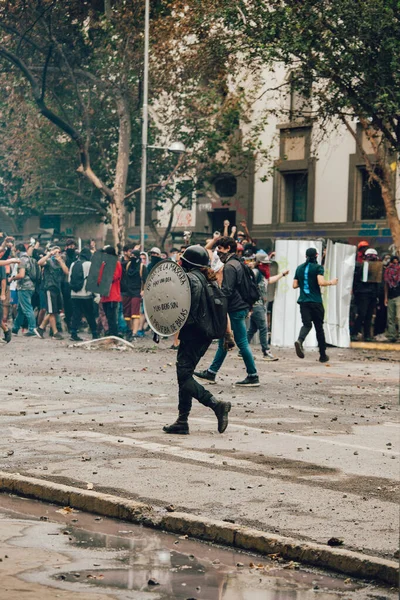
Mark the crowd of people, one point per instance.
(43, 292)
(375, 308)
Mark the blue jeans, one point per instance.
(238, 323)
(258, 322)
(25, 309)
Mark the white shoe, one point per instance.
(268, 356)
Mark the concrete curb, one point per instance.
(237, 536)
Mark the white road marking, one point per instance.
(306, 438)
(6, 390)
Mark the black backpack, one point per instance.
(212, 316)
(34, 271)
(248, 287)
(77, 279)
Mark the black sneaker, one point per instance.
(7, 336)
(39, 332)
(76, 338)
(250, 381)
(207, 375)
(179, 428)
(298, 345)
(324, 358)
(14, 332)
(58, 336)
(29, 334)
(222, 410)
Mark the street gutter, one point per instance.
(355, 564)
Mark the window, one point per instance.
(225, 185)
(299, 97)
(296, 190)
(51, 222)
(372, 205)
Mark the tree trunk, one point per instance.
(381, 158)
(391, 211)
(118, 211)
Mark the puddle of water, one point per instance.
(128, 561)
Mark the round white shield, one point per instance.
(167, 298)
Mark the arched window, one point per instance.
(225, 185)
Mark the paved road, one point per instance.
(313, 453)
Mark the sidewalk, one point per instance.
(311, 454)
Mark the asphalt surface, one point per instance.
(50, 552)
(313, 453)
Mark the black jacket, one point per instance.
(368, 288)
(190, 330)
(132, 278)
(232, 277)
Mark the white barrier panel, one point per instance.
(340, 262)
(286, 320)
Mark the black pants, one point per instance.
(67, 303)
(110, 310)
(85, 307)
(365, 309)
(189, 354)
(313, 312)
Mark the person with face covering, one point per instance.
(238, 309)
(381, 310)
(155, 258)
(392, 297)
(193, 345)
(134, 275)
(309, 278)
(70, 256)
(110, 302)
(365, 298)
(82, 300)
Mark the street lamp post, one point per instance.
(145, 123)
(174, 147)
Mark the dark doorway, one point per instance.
(218, 216)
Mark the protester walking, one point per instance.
(238, 309)
(309, 278)
(194, 343)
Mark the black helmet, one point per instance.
(196, 256)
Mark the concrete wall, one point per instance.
(332, 174)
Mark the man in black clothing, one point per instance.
(309, 277)
(365, 298)
(193, 345)
(70, 256)
(238, 309)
